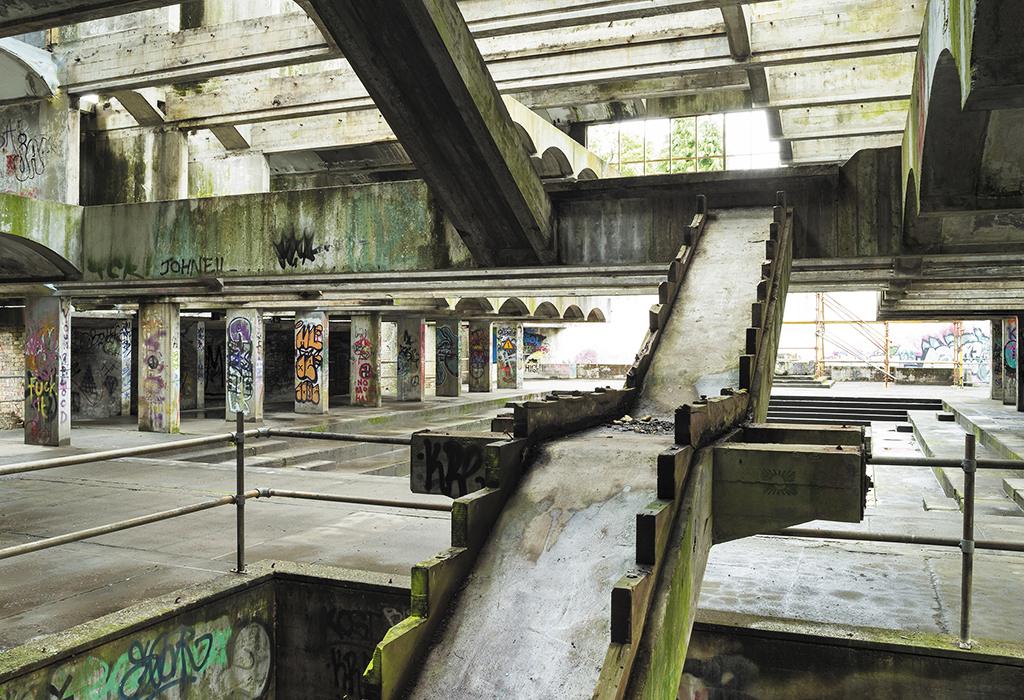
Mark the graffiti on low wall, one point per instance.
(219, 657)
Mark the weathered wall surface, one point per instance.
(393, 226)
(847, 211)
(134, 165)
(101, 370)
(56, 226)
(327, 634)
(12, 368)
(729, 662)
(223, 649)
(39, 148)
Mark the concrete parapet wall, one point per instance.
(283, 630)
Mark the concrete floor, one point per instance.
(842, 587)
(51, 590)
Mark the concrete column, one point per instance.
(479, 355)
(102, 369)
(193, 364)
(411, 339)
(446, 354)
(124, 332)
(159, 368)
(312, 383)
(509, 338)
(244, 345)
(1017, 362)
(47, 371)
(364, 377)
(996, 383)
(1010, 361)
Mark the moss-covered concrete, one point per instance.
(379, 227)
(39, 238)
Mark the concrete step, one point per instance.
(816, 418)
(218, 453)
(389, 463)
(892, 400)
(1014, 489)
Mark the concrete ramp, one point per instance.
(705, 334)
(532, 620)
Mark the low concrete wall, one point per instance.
(932, 376)
(734, 662)
(227, 638)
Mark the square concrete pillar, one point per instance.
(193, 364)
(124, 332)
(47, 371)
(102, 370)
(446, 355)
(312, 330)
(1017, 365)
(1010, 361)
(364, 389)
(479, 355)
(411, 370)
(996, 383)
(509, 343)
(244, 345)
(159, 368)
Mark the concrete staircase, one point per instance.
(804, 381)
(353, 457)
(845, 410)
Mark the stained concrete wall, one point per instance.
(12, 368)
(39, 148)
(732, 662)
(284, 631)
(100, 369)
(391, 226)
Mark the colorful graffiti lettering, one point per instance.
(309, 358)
(479, 347)
(364, 376)
(409, 365)
(47, 371)
(154, 385)
(447, 349)
(941, 346)
(240, 369)
(1010, 346)
(507, 356)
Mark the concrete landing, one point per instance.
(998, 427)
(853, 589)
(532, 620)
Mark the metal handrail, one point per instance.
(238, 499)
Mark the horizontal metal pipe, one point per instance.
(342, 437)
(87, 457)
(118, 526)
(997, 545)
(309, 495)
(944, 462)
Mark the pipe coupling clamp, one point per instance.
(967, 546)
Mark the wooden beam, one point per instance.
(425, 73)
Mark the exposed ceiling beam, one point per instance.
(22, 16)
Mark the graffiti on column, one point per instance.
(41, 380)
(507, 350)
(362, 350)
(409, 359)
(153, 387)
(239, 357)
(309, 358)
(125, 352)
(447, 354)
(1010, 346)
(479, 346)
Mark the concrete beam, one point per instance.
(22, 16)
(437, 95)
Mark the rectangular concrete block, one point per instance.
(566, 413)
(447, 349)
(159, 368)
(673, 465)
(312, 369)
(364, 377)
(243, 363)
(411, 360)
(47, 371)
(454, 464)
(509, 343)
(479, 355)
